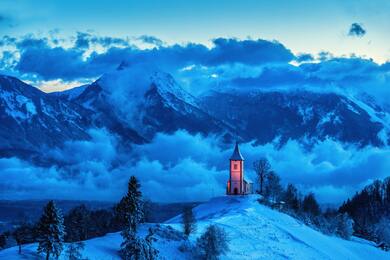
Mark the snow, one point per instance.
(330, 117)
(254, 232)
(18, 106)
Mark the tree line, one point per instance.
(370, 210)
(57, 235)
(305, 208)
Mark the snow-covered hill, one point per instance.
(255, 232)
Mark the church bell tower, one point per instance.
(235, 185)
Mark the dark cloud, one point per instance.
(357, 30)
(151, 40)
(252, 52)
(225, 51)
(242, 63)
(82, 40)
(302, 57)
(52, 63)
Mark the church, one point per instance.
(237, 184)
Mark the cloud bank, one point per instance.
(227, 62)
(184, 167)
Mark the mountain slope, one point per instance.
(136, 102)
(266, 115)
(69, 94)
(148, 101)
(31, 119)
(254, 231)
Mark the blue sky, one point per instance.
(93, 37)
(304, 26)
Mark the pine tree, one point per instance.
(310, 205)
(23, 235)
(212, 243)
(189, 222)
(382, 232)
(291, 198)
(129, 209)
(151, 252)
(3, 241)
(136, 248)
(51, 231)
(272, 187)
(74, 251)
(344, 226)
(77, 222)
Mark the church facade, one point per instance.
(237, 184)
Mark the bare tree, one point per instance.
(262, 168)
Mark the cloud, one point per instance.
(304, 57)
(151, 40)
(86, 40)
(252, 52)
(82, 40)
(357, 30)
(49, 63)
(228, 62)
(83, 59)
(185, 167)
(273, 76)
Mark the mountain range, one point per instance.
(137, 104)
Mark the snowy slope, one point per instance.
(255, 232)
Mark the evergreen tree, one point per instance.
(101, 222)
(261, 167)
(74, 251)
(77, 223)
(310, 205)
(272, 188)
(23, 235)
(136, 248)
(151, 253)
(129, 209)
(291, 198)
(3, 241)
(382, 232)
(51, 231)
(212, 243)
(344, 226)
(189, 225)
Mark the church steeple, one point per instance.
(236, 156)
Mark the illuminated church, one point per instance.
(237, 184)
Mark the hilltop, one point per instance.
(255, 232)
